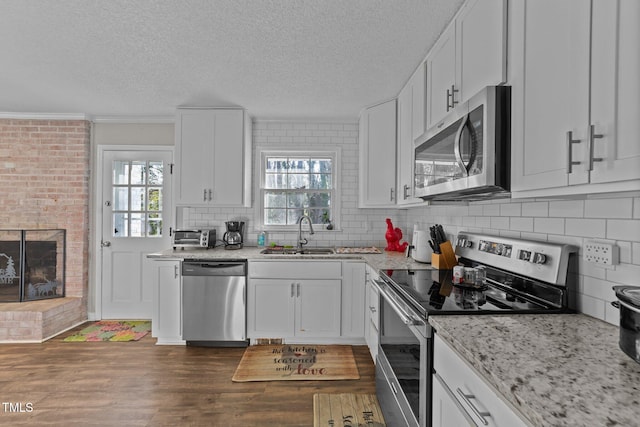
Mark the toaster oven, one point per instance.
(194, 239)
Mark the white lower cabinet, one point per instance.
(294, 308)
(447, 411)
(461, 397)
(305, 300)
(166, 323)
(372, 316)
(353, 297)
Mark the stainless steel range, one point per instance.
(495, 275)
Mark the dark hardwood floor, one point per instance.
(141, 384)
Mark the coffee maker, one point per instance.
(233, 236)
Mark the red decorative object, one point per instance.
(393, 236)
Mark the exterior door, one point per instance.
(136, 215)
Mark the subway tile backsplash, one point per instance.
(614, 219)
(358, 227)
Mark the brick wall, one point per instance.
(44, 183)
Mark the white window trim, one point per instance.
(332, 151)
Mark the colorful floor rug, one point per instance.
(350, 409)
(290, 362)
(112, 330)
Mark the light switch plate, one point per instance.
(601, 253)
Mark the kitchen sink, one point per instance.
(294, 251)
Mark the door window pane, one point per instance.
(121, 198)
(155, 199)
(138, 198)
(155, 173)
(138, 172)
(120, 172)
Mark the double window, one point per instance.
(294, 184)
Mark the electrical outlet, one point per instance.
(601, 253)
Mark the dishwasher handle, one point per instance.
(213, 268)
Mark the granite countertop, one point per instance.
(383, 261)
(557, 369)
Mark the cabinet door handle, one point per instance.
(467, 399)
(592, 136)
(404, 192)
(453, 97)
(293, 292)
(448, 96)
(210, 194)
(372, 309)
(391, 194)
(204, 195)
(298, 293)
(175, 272)
(570, 142)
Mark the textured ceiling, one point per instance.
(278, 59)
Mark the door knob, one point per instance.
(105, 243)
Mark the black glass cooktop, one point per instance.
(433, 292)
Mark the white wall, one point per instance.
(133, 133)
(359, 227)
(614, 219)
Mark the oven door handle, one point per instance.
(406, 318)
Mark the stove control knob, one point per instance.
(464, 243)
(539, 258)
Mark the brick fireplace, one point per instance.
(44, 184)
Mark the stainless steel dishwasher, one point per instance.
(214, 303)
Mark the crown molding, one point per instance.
(44, 116)
(134, 119)
(316, 120)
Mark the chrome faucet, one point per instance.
(302, 241)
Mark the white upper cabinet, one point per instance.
(615, 91)
(469, 55)
(576, 96)
(411, 124)
(550, 90)
(213, 157)
(441, 73)
(377, 147)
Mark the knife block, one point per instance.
(446, 259)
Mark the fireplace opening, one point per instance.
(32, 264)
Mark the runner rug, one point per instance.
(290, 362)
(347, 409)
(112, 330)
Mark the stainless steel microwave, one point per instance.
(467, 156)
